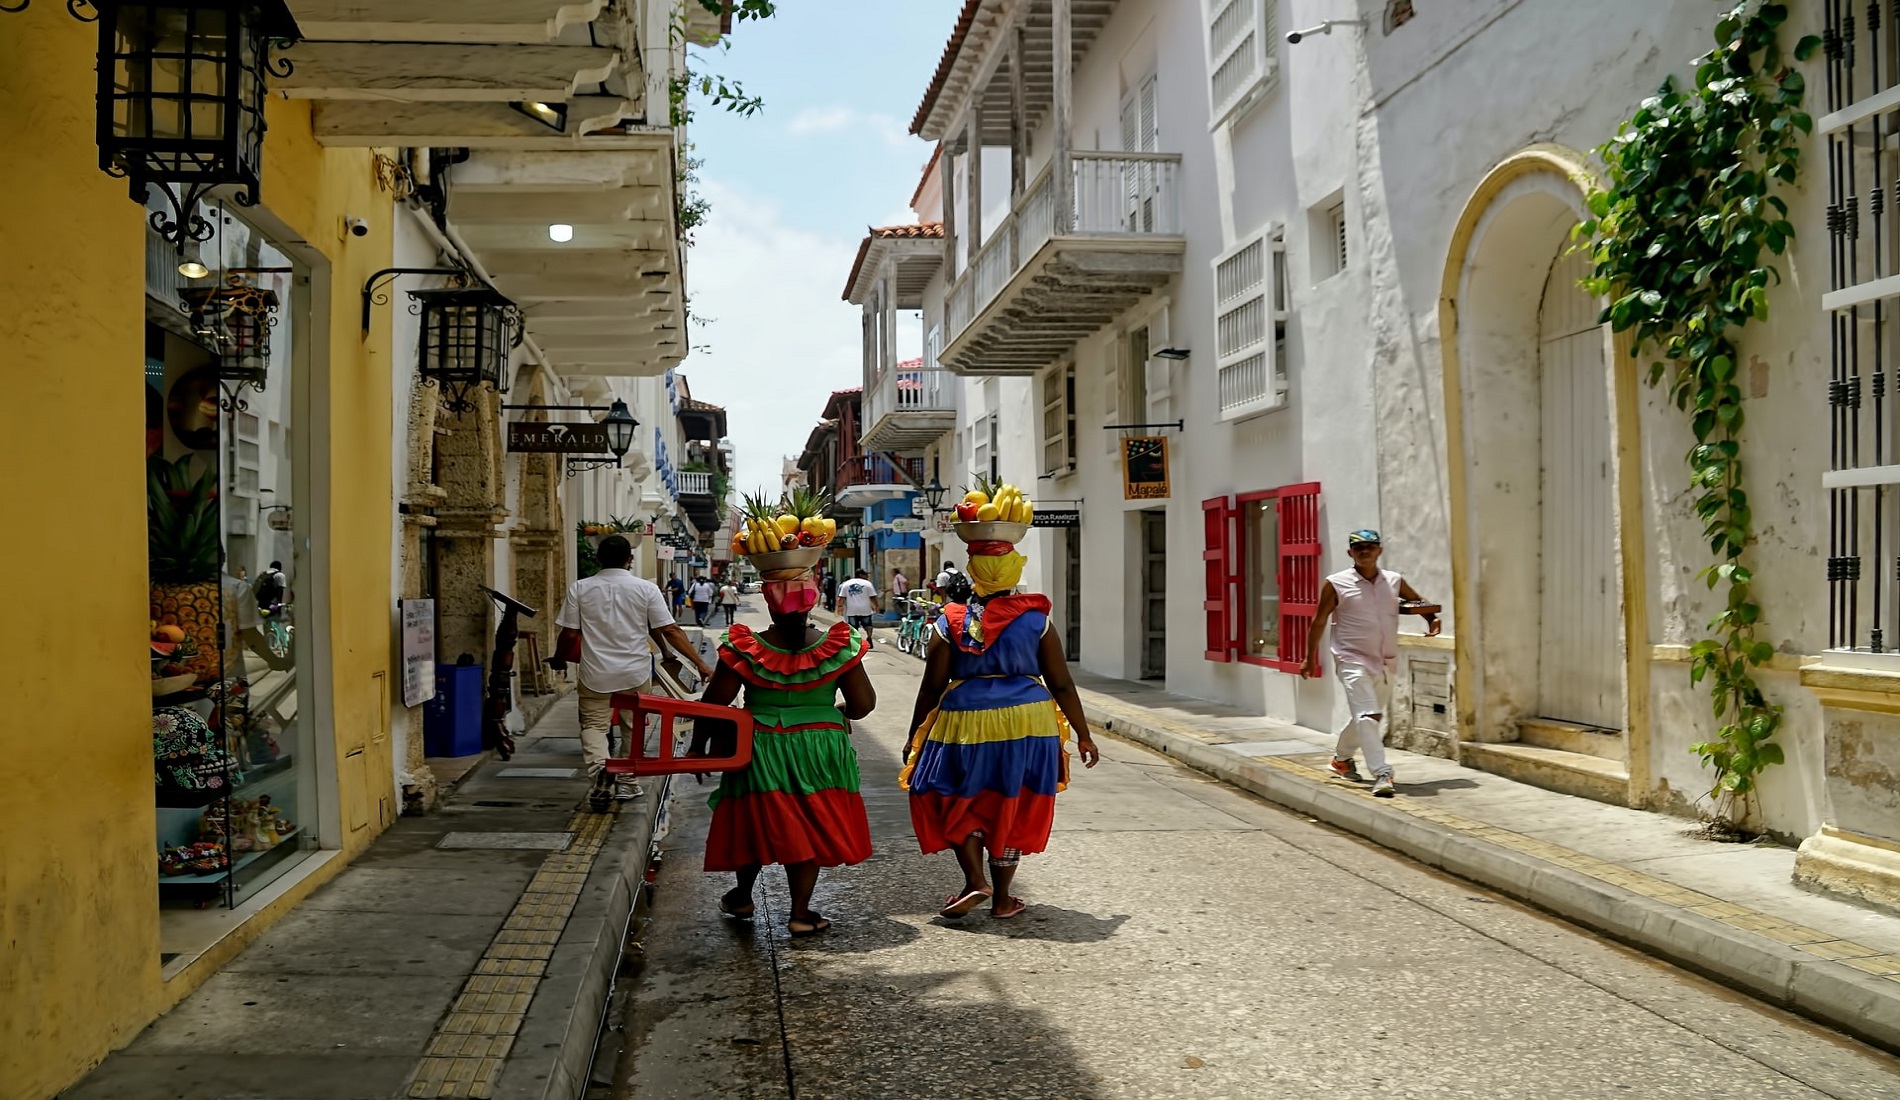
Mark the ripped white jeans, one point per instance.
(1368, 693)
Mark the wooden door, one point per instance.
(1154, 595)
(1580, 635)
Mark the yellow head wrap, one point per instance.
(990, 574)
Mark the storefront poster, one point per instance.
(1145, 467)
(418, 652)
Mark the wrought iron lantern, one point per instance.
(467, 335)
(181, 100)
(619, 424)
(234, 322)
(933, 494)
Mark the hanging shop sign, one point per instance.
(919, 507)
(1145, 467)
(946, 522)
(1061, 517)
(418, 652)
(535, 437)
(906, 526)
(666, 553)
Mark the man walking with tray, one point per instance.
(1367, 601)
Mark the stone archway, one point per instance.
(468, 471)
(1508, 288)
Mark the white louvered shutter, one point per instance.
(1244, 328)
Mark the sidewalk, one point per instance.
(1728, 911)
(468, 952)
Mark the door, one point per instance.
(1580, 635)
(1072, 591)
(1154, 595)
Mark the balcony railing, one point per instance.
(696, 484)
(907, 391)
(879, 470)
(1130, 195)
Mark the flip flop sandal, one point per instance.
(962, 905)
(1019, 904)
(813, 927)
(736, 912)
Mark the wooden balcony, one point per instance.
(1046, 278)
(868, 479)
(907, 410)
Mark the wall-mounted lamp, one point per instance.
(619, 423)
(1176, 354)
(933, 494)
(551, 115)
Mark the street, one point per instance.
(1183, 939)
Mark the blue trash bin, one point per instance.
(452, 721)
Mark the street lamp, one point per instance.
(933, 494)
(619, 423)
(181, 100)
(234, 321)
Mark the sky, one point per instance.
(793, 189)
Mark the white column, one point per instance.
(948, 169)
(1018, 130)
(975, 142)
(1062, 167)
(887, 297)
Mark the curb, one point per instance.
(1837, 995)
(553, 1052)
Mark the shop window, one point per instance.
(1262, 555)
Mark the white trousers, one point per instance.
(597, 711)
(1368, 693)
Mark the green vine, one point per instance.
(1683, 237)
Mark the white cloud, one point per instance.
(781, 336)
(812, 121)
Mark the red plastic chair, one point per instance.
(632, 710)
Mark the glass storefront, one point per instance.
(234, 759)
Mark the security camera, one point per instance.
(1294, 38)
(357, 227)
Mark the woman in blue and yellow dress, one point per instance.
(988, 754)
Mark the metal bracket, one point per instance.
(1177, 425)
(580, 465)
(557, 408)
(375, 295)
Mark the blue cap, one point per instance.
(1363, 536)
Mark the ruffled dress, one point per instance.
(798, 801)
(991, 757)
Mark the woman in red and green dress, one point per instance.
(797, 804)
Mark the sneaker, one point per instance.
(626, 789)
(1346, 769)
(1383, 787)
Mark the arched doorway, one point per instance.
(1547, 569)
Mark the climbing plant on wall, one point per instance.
(1685, 233)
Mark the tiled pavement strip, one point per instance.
(466, 1056)
(1752, 951)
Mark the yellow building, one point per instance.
(233, 456)
(97, 942)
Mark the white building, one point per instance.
(1336, 275)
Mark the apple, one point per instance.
(966, 511)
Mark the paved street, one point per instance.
(1183, 939)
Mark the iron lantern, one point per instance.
(620, 424)
(467, 335)
(933, 494)
(234, 322)
(181, 100)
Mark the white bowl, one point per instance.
(993, 531)
(632, 537)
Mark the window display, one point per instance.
(230, 753)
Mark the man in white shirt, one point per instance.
(620, 618)
(1366, 601)
(703, 594)
(858, 599)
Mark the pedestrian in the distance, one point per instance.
(828, 586)
(676, 595)
(900, 584)
(613, 620)
(729, 600)
(703, 593)
(951, 585)
(857, 599)
(1364, 603)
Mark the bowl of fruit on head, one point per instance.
(789, 533)
(994, 511)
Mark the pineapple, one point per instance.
(184, 544)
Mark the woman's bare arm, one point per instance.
(860, 698)
(1055, 675)
(936, 679)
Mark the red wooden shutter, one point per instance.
(1221, 566)
(1299, 570)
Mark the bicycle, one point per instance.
(913, 631)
